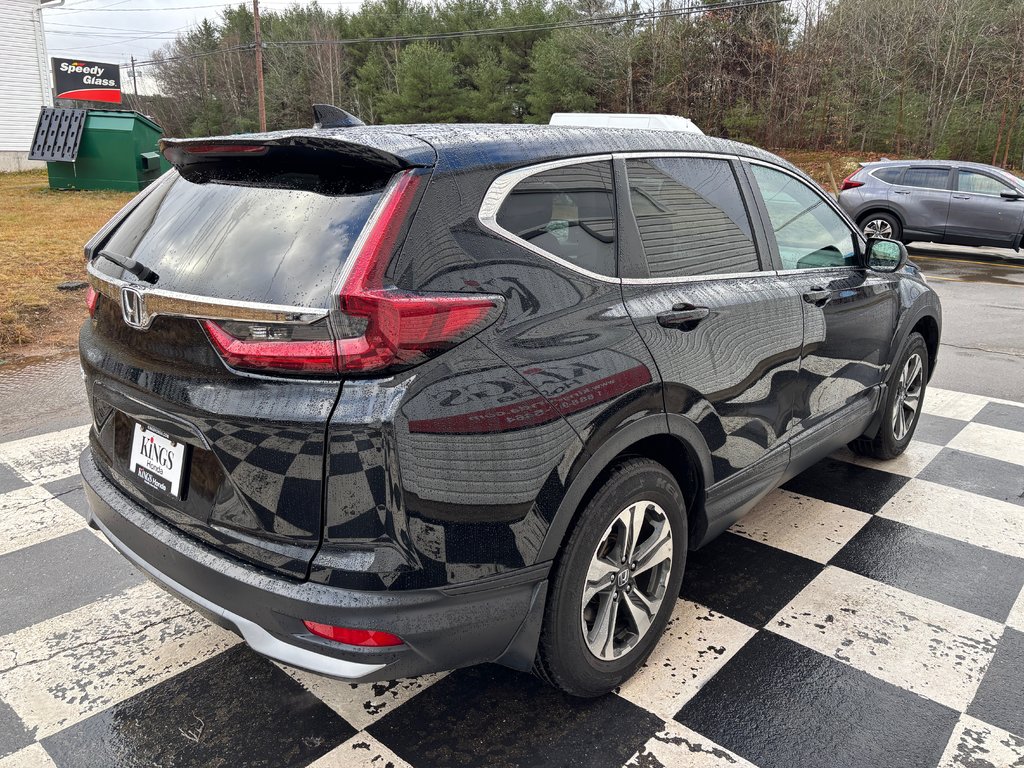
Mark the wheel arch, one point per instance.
(672, 441)
(879, 208)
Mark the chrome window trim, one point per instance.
(503, 185)
(871, 173)
(188, 305)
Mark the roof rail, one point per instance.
(329, 116)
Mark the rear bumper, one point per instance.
(494, 619)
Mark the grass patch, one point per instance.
(41, 237)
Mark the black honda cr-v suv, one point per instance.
(390, 400)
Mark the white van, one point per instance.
(625, 120)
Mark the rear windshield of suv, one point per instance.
(249, 243)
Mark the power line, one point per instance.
(486, 32)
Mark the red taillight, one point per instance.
(92, 298)
(379, 327)
(849, 183)
(402, 328)
(316, 356)
(367, 638)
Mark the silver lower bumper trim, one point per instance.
(254, 635)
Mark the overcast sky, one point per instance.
(114, 30)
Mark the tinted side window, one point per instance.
(691, 217)
(889, 175)
(808, 232)
(934, 178)
(971, 181)
(568, 212)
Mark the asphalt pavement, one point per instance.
(982, 347)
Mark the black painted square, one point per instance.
(13, 734)
(779, 704)
(745, 580)
(1002, 415)
(977, 474)
(10, 480)
(1000, 698)
(962, 575)
(937, 430)
(232, 710)
(848, 485)
(57, 576)
(492, 716)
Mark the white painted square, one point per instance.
(918, 644)
(362, 703)
(909, 464)
(696, 644)
(361, 751)
(32, 515)
(953, 405)
(994, 442)
(802, 525)
(33, 756)
(62, 670)
(975, 744)
(48, 457)
(979, 520)
(677, 746)
(1016, 617)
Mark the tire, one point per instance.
(906, 389)
(565, 659)
(880, 222)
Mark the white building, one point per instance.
(24, 78)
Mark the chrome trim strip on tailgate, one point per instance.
(254, 635)
(161, 302)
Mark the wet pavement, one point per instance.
(983, 322)
(866, 614)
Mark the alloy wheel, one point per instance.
(878, 228)
(910, 387)
(627, 580)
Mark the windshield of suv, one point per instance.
(251, 243)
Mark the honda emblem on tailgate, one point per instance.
(133, 307)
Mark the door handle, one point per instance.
(901, 191)
(819, 297)
(961, 197)
(683, 316)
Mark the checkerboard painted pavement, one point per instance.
(866, 614)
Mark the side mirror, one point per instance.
(885, 255)
(1011, 194)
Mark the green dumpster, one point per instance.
(118, 150)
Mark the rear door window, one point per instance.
(250, 243)
(568, 212)
(691, 217)
(931, 178)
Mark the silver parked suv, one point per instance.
(940, 201)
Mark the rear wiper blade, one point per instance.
(139, 270)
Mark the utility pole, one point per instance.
(259, 64)
(135, 84)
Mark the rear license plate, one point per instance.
(157, 460)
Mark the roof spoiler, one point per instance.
(329, 116)
(274, 158)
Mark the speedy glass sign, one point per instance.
(86, 80)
